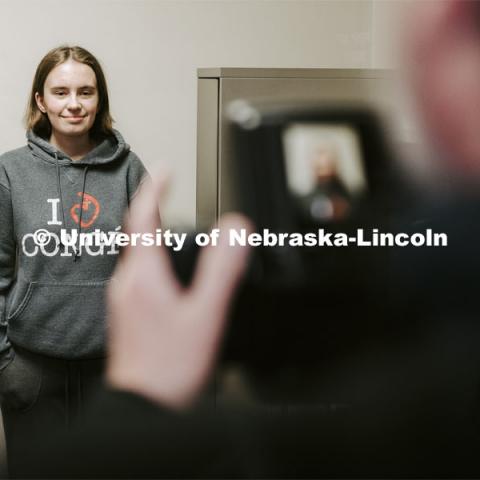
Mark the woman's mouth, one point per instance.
(74, 118)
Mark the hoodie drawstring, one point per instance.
(59, 188)
(77, 251)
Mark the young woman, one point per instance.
(76, 176)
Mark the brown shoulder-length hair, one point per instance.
(37, 121)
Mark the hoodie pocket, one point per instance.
(60, 319)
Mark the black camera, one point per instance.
(318, 182)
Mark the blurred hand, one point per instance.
(163, 338)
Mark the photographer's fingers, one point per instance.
(220, 268)
(144, 217)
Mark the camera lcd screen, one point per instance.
(324, 169)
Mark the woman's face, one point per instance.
(70, 99)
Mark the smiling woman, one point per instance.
(69, 98)
(70, 101)
(76, 174)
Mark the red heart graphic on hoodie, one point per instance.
(88, 201)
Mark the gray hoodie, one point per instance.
(51, 285)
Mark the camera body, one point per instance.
(310, 178)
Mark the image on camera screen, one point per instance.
(324, 169)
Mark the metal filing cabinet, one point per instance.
(219, 86)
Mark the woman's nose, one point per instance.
(73, 103)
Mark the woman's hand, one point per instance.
(163, 338)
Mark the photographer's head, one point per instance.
(69, 96)
(443, 53)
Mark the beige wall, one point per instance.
(151, 50)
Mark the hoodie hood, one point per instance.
(108, 150)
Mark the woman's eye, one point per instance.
(60, 94)
(86, 93)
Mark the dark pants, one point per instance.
(42, 397)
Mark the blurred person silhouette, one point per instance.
(415, 395)
(328, 200)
